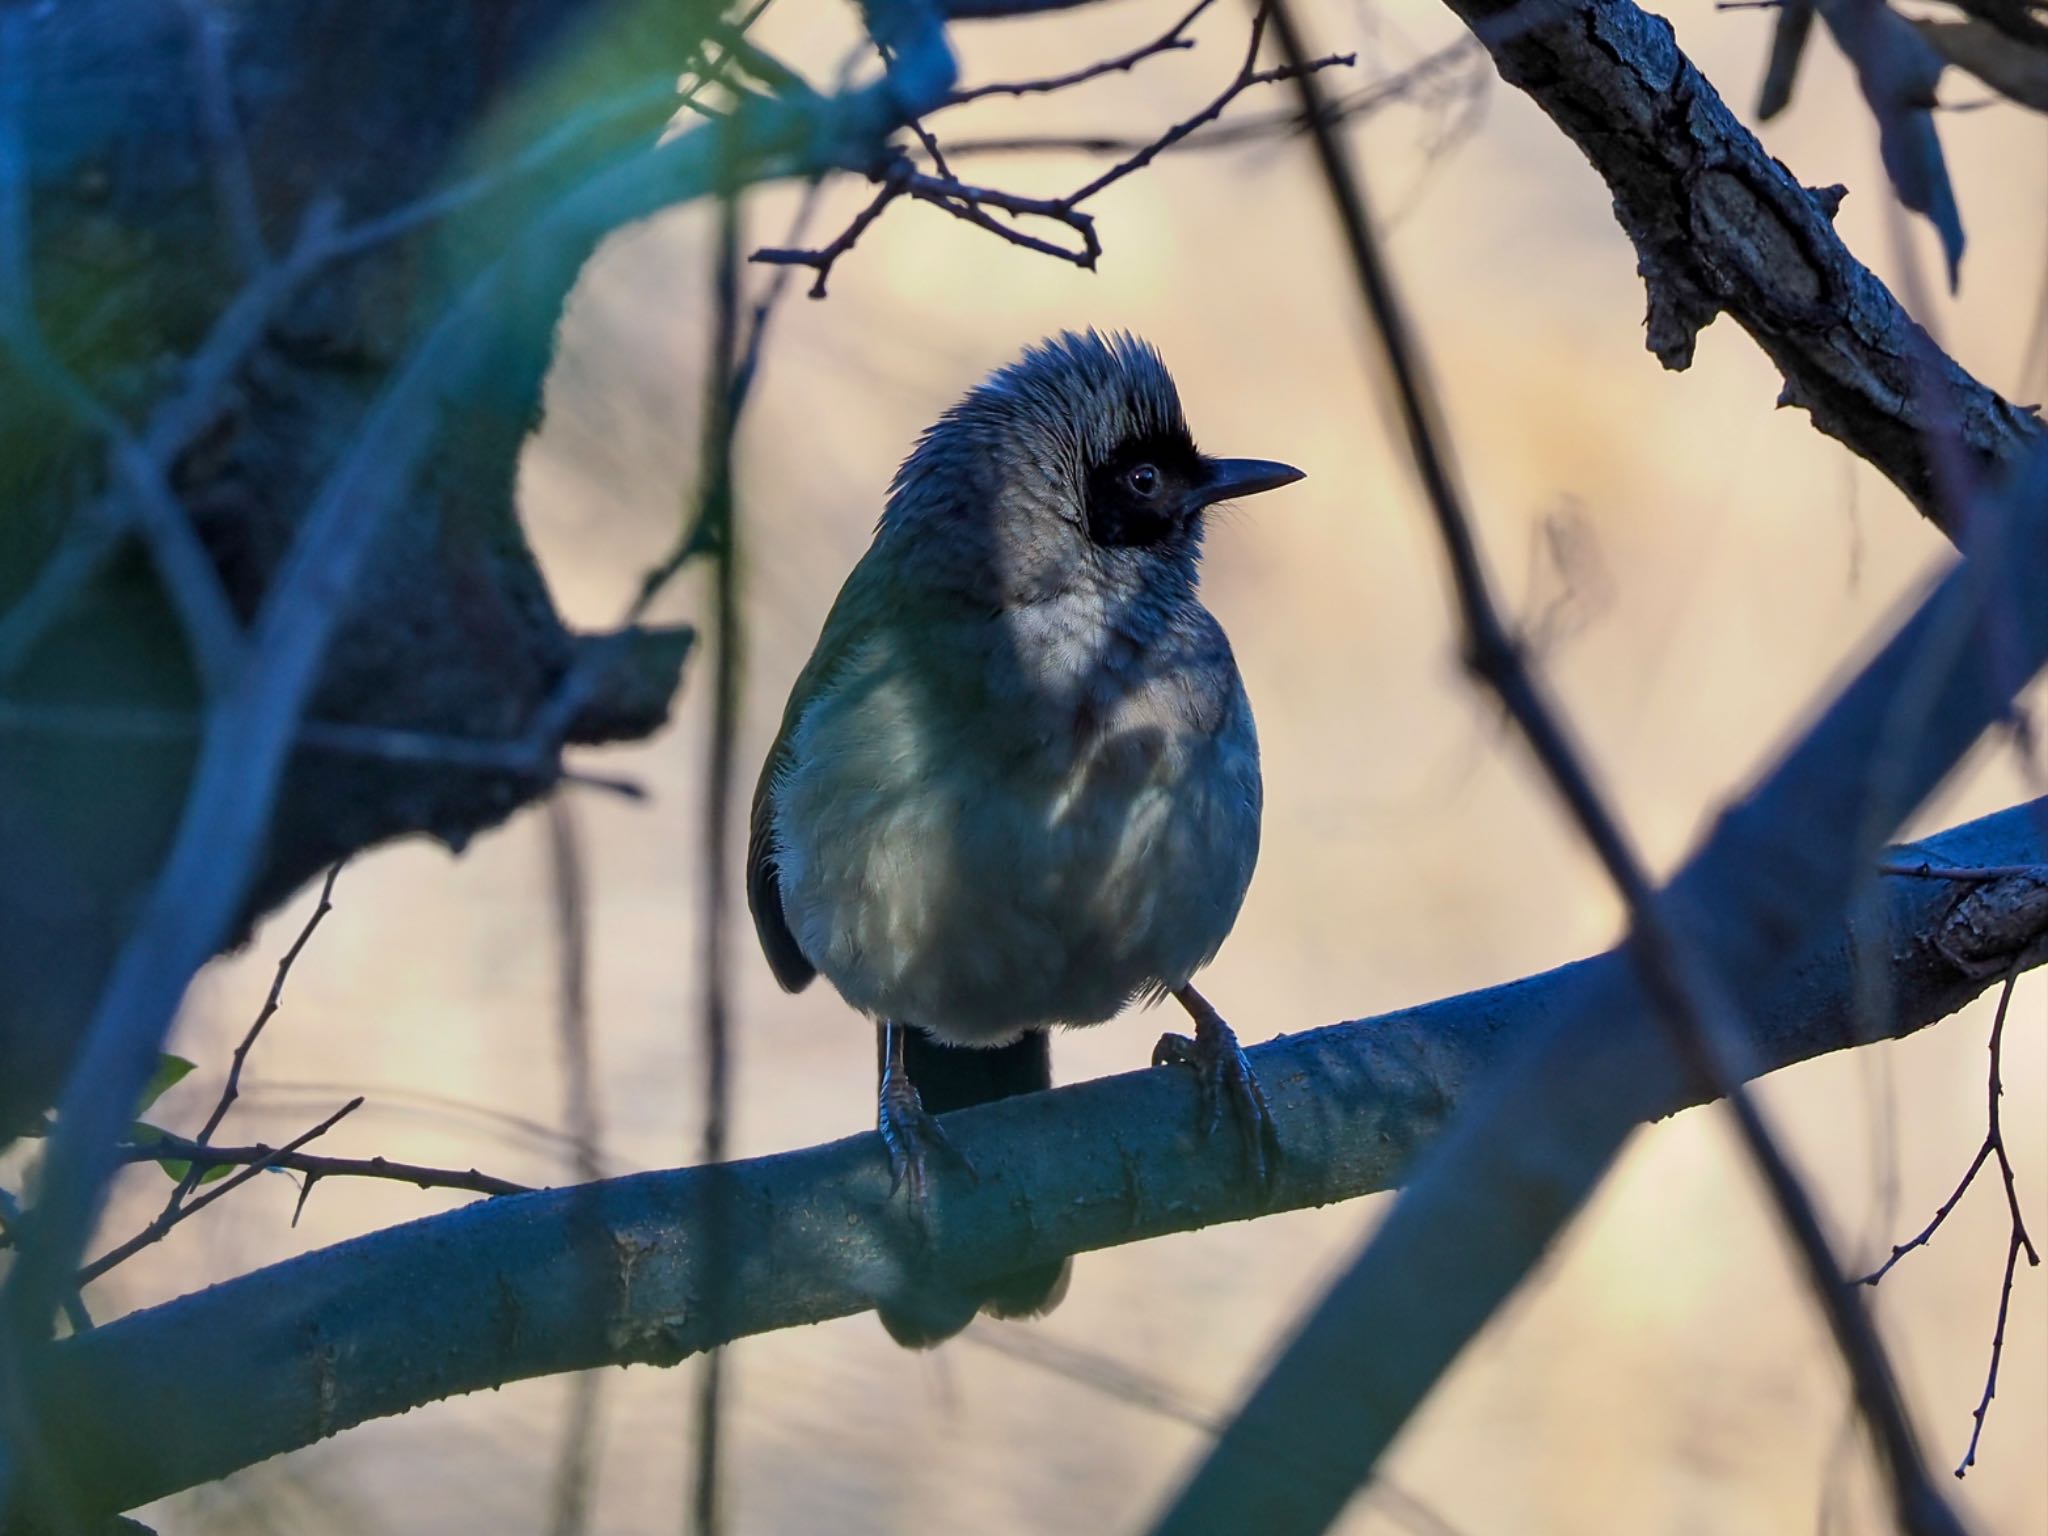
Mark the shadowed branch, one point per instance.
(614, 1272)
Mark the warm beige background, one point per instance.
(1665, 1373)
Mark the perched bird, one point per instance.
(1017, 784)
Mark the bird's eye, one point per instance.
(1143, 481)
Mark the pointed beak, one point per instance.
(1232, 478)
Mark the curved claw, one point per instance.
(1222, 1073)
(909, 1131)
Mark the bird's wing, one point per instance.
(764, 886)
(855, 608)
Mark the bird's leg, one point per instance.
(1223, 1073)
(908, 1130)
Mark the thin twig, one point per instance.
(931, 147)
(1402, 85)
(1248, 75)
(1900, 1250)
(568, 886)
(231, 1089)
(2012, 1256)
(968, 203)
(521, 758)
(824, 256)
(569, 897)
(696, 537)
(718, 515)
(203, 1155)
(1173, 39)
(1993, 1147)
(156, 1230)
(897, 177)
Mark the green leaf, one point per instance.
(169, 1071)
(142, 1134)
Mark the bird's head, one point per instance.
(1072, 464)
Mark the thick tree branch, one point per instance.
(1721, 227)
(616, 1272)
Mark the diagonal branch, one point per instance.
(272, 1001)
(615, 1272)
(1692, 1000)
(172, 1215)
(1720, 227)
(1779, 866)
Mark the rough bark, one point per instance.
(1722, 228)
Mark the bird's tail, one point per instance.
(949, 1077)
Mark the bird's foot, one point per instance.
(1223, 1074)
(909, 1131)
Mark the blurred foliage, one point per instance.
(1899, 62)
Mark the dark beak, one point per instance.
(1232, 478)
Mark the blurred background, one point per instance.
(1697, 568)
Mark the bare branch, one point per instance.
(569, 1501)
(259, 1156)
(617, 1271)
(1403, 85)
(718, 515)
(898, 178)
(1719, 226)
(171, 1217)
(824, 256)
(231, 1089)
(1174, 38)
(2018, 1241)
(1248, 76)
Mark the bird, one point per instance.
(1016, 786)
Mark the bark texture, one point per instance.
(1720, 227)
